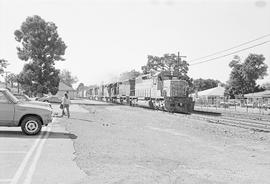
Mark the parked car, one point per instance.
(24, 97)
(30, 117)
(248, 105)
(50, 99)
(234, 103)
(266, 106)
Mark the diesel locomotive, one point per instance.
(163, 91)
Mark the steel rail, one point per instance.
(241, 123)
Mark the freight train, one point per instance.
(161, 91)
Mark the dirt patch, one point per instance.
(120, 144)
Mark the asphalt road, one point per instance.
(44, 159)
(106, 143)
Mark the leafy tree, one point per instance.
(244, 75)
(11, 79)
(204, 84)
(168, 62)
(3, 65)
(67, 78)
(41, 46)
(129, 75)
(28, 79)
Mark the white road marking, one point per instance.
(25, 161)
(32, 168)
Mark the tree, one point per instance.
(3, 65)
(204, 84)
(129, 75)
(168, 62)
(28, 79)
(41, 46)
(67, 78)
(244, 75)
(11, 79)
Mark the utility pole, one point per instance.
(179, 59)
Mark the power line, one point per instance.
(259, 38)
(230, 53)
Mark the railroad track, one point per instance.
(256, 117)
(252, 122)
(245, 115)
(256, 125)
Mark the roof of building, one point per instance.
(265, 94)
(217, 91)
(64, 87)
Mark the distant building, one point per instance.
(259, 98)
(63, 88)
(211, 96)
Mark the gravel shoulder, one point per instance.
(121, 144)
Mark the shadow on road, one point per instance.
(52, 135)
(73, 118)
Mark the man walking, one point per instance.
(66, 103)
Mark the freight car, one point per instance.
(161, 91)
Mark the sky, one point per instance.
(108, 37)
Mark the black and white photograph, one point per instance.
(135, 92)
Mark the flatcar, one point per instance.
(161, 91)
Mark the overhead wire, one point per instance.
(245, 43)
(192, 64)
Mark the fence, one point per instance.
(232, 107)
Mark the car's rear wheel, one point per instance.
(31, 125)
